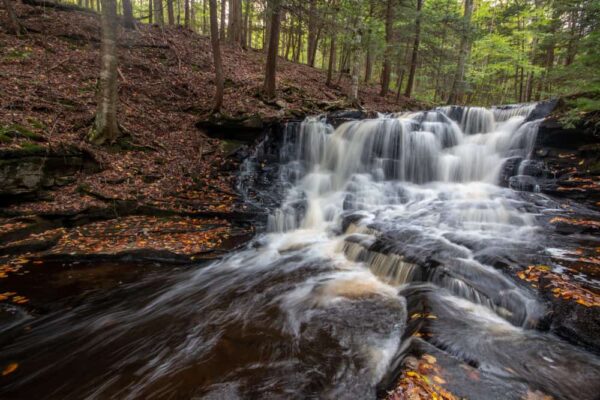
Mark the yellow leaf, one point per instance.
(438, 380)
(10, 368)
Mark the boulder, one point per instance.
(244, 128)
(25, 172)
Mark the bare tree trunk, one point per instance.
(369, 64)
(192, 15)
(235, 22)
(387, 57)
(216, 49)
(355, 70)
(170, 12)
(331, 60)
(415, 52)
(186, 13)
(158, 13)
(458, 86)
(245, 29)
(399, 82)
(150, 12)
(17, 28)
(128, 21)
(271, 67)
(106, 128)
(298, 48)
(223, 9)
(250, 26)
(205, 11)
(312, 33)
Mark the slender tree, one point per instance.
(223, 14)
(235, 22)
(415, 52)
(128, 20)
(331, 60)
(312, 33)
(216, 49)
(106, 128)
(186, 13)
(355, 52)
(17, 28)
(170, 12)
(386, 72)
(457, 91)
(158, 13)
(271, 66)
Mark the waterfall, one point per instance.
(420, 185)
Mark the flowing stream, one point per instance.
(379, 218)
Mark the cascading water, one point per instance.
(377, 215)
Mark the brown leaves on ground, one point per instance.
(577, 222)
(175, 234)
(13, 297)
(179, 235)
(561, 285)
(422, 379)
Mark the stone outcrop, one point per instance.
(29, 170)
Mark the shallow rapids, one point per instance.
(380, 219)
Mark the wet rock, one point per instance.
(542, 109)
(510, 168)
(534, 168)
(573, 321)
(552, 133)
(244, 128)
(24, 172)
(523, 183)
(337, 118)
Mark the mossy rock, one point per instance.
(18, 131)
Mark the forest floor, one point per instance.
(164, 164)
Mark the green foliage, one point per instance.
(578, 107)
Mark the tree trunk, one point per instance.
(106, 128)
(312, 33)
(223, 9)
(150, 12)
(355, 70)
(250, 26)
(298, 48)
(415, 52)
(158, 13)
(216, 49)
(387, 56)
(186, 13)
(17, 28)
(235, 22)
(192, 15)
(271, 67)
(458, 86)
(245, 29)
(399, 82)
(369, 64)
(128, 21)
(331, 60)
(205, 17)
(170, 12)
